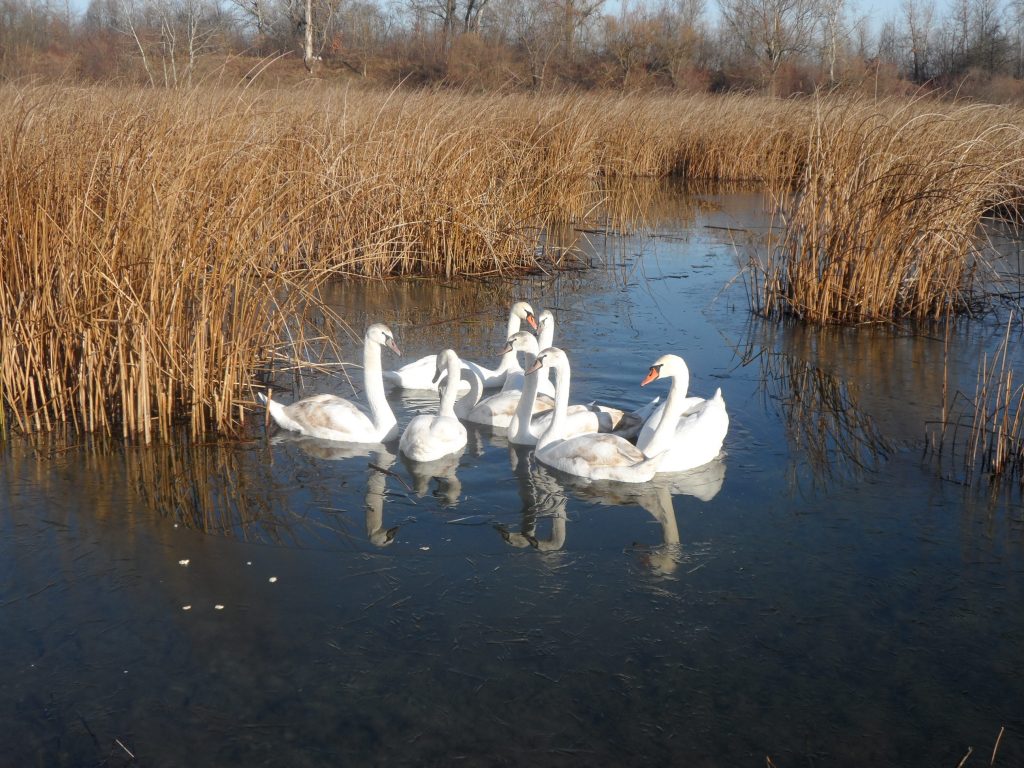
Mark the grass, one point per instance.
(159, 249)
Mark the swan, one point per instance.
(427, 437)
(419, 374)
(697, 427)
(528, 423)
(592, 456)
(330, 417)
(545, 338)
(499, 409)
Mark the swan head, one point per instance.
(524, 311)
(441, 363)
(384, 537)
(666, 367)
(381, 334)
(546, 326)
(548, 358)
(522, 341)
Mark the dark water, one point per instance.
(821, 596)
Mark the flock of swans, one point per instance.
(592, 441)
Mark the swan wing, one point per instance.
(599, 457)
(699, 436)
(333, 418)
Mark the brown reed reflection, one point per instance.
(830, 430)
(981, 435)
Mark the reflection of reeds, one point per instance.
(824, 422)
(211, 488)
(983, 435)
(883, 221)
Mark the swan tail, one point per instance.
(643, 413)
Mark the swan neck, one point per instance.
(557, 428)
(468, 401)
(508, 359)
(451, 391)
(666, 430)
(519, 430)
(373, 382)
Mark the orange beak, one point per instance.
(532, 320)
(650, 377)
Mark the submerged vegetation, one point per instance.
(159, 248)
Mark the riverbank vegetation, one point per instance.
(973, 48)
(158, 247)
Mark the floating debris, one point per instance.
(272, 579)
(186, 607)
(186, 561)
(218, 607)
(425, 548)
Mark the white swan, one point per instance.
(499, 409)
(697, 427)
(528, 422)
(330, 417)
(591, 456)
(427, 437)
(545, 338)
(419, 374)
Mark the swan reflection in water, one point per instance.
(444, 470)
(381, 461)
(544, 494)
(542, 497)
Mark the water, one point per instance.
(820, 596)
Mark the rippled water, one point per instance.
(820, 596)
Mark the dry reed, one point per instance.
(883, 223)
(158, 248)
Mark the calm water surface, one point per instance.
(819, 596)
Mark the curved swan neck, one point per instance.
(546, 339)
(557, 428)
(666, 430)
(451, 391)
(466, 403)
(508, 359)
(373, 381)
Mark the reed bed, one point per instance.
(884, 222)
(159, 249)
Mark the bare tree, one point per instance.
(833, 33)
(918, 16)
(772, 31)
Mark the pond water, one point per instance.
(818, 596)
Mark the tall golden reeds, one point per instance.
(884, 220)
(159, 248)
